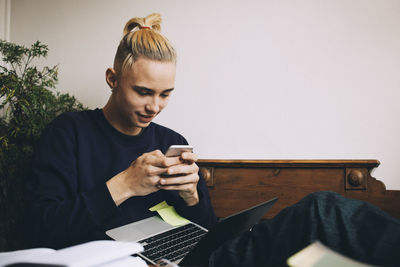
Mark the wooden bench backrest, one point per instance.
(238, 184)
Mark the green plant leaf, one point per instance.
(28, 102)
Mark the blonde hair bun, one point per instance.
(152, 21)
(143, 39)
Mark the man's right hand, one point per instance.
(142, 177)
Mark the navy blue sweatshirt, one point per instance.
(77, 153)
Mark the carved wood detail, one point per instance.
(238, 184)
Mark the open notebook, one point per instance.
(95, 253)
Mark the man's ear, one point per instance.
(111, 78)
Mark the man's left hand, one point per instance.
(183, 177)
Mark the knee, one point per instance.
(322, 198)
(323, 195)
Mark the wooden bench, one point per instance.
(238, 184)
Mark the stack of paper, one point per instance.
(95, 253)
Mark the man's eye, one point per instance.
(164, 95)
(143, 93)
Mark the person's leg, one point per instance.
(352, 227)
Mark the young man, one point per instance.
(99, 169)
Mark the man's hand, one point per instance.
(183, 177)
(143, 177)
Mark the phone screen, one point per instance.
(177, 150)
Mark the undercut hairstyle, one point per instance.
(142, 38)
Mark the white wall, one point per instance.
(5, 19)
(273, 79)
(5, 11)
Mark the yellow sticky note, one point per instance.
(159, 206)
(169, 214)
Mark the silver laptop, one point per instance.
(190, 244)
(160, 240)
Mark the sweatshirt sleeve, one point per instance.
(60, 213)
(201, 213)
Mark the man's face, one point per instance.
(141, 92)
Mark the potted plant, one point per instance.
(28, 102)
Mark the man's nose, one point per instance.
(153, 106)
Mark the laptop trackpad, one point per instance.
(139, 230)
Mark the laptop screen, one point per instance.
(226, 229)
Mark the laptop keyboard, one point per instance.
(172, 245)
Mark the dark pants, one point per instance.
(354, 228)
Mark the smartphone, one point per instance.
(177, 150)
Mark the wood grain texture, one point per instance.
(238, 184)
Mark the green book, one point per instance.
(318, 255)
